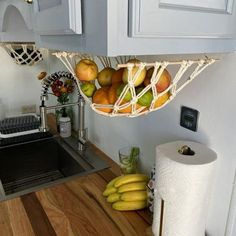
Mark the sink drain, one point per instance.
(31, 181)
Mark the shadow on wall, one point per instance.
(110, 134)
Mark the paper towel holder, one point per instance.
(186, 150)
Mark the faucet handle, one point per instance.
(82, 139)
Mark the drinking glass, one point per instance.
(128, 157)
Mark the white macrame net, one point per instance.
(23, 54)
(178, 82)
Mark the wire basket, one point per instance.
(23, 54)
(145, 99)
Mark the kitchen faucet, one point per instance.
(82, 132)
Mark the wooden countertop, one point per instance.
(76, 207)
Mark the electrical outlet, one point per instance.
(28, 109)
(189, 118)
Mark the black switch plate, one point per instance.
(189, 118)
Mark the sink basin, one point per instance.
(30, 166)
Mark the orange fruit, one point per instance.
(161, 100)
(117, 76)
(112, 93)
(129, 108)
(101, 97)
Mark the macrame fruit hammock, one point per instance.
(23, 53)
(135, 88)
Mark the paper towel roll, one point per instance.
(181, 189)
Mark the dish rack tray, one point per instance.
(19, 126)
(182, 73)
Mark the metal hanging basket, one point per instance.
(185, 72)
(23, 54)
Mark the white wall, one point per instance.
(213, 95)
(19, 84)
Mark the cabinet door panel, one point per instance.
(209, 5)
(182, 18)
(58, 17)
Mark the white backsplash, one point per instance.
(213, 94)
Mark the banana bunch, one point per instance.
(127, 192)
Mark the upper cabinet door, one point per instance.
(57, 17)
(182, 18)
(16, 21)
(136, 27)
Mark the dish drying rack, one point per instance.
(19, 125)
(20, 129)
(178, 81)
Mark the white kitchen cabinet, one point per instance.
(137, 27)
(16, 21)
(57, 17)
(182, 19)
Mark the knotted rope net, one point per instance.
(23, 54)
(136, 105)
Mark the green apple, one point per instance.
(128, 95)
(88, 88)
(146, 99)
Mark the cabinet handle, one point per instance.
(29, 1)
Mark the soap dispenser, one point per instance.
(65, 125)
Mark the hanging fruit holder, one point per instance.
(23, 53)
(142, 99)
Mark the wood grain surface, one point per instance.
(76, 207)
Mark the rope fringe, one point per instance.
(178, 81)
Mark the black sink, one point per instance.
(33, 165)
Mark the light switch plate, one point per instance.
(189, 118)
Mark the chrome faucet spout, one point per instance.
(82, 131)
(43, 119)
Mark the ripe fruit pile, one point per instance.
(62, 88)
(127, 192)
(112, 83)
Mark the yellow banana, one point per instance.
(114, 197)
(129, 206)
(132, 187)
(134, 196)
(111, 183)
(130, 179)
(109, 191)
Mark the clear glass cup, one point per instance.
(128, 157)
